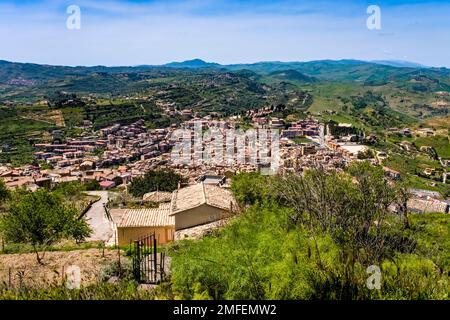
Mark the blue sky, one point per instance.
(133, 32)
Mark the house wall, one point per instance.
(198, 216)
(127, 235)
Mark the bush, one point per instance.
(92, 185)
(267, 252)
(122, 271)
(250, 188)
(69, 189)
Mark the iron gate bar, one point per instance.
(146, 268)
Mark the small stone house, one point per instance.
(201, 204)
(136, 223)
(189, 207)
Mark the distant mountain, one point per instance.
(23, 77)
(400, 64)
(292, 75)
(193, 64)
(325, 70)
(212, 87)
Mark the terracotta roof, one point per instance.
(157, 196)
(196, 195)
(387, 169)
(154, 217)
(19, 182)
(106, 183)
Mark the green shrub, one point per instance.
(267, 253)
(162, 180)
(122, 270)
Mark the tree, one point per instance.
(69, 189)
(93, 185)
(403, 195)
(250, 188)
(41, 219)
(353, 208)
(161, 180)
(4, 193)
(62, 99)
(367, 154)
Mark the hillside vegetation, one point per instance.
(314, 238)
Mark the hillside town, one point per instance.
(115, 155)
(236, 152)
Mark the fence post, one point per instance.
(161, 265)
(137, 261)
(155, 258)
(9, 278)
(21, 275)
(118, 255)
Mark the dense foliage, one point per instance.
(41, 219)
(313, 237)
(4, 193)
(155, 180)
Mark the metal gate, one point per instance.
(148, 263)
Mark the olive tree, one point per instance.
(41, 219)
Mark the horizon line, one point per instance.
(376, 61)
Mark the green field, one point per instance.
(440, 143)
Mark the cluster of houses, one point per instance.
(425, 201)
(318, 150)
(406, 132)
(346, 147)
(301, 128)
(115, 155)
(107, 156)
(308, 156)
(119, 144)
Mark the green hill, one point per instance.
(292, 75)
(214, 87)
(195, 63)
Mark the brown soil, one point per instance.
(439, 122)
(17, 268)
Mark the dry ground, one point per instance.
(24, 266)
(52, 117)
(439, 122)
